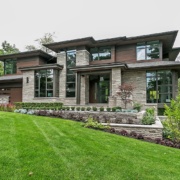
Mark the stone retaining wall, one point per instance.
(148, 131)
(103, 117)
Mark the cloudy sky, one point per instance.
(23, 21)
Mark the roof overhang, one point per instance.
(11, 78)
(98, 67)
(167, 39)
(174, 53)
(27, 54)
(155, 65)
(46, 66)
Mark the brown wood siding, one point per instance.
(26, 62)
(16, 95)
(126, 53)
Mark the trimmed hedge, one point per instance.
(33, 105)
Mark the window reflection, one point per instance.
(70, 77)
(148, 50)
(44, 81)
(159, 86)
(100, 53)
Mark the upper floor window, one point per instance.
(70, 76)
(148, 50)
(100, 53)
(46, 83)
(10, 66)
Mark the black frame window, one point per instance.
(148, 50)
(70, 76)
(46, 83)
(159, 86)
(10, 66)
(100, 53)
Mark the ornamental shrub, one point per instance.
(149, 117)
(108, 109)
(172, 122)
(88, 108)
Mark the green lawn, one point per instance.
(53, 148)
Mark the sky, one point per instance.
(24, 21)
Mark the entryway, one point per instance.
(99, 87)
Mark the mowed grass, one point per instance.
(52, 148)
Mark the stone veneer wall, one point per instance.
(61, 59)
(28, 88)
(137, 79)
(82, 58)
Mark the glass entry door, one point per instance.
(99, 88)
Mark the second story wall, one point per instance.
(33, 61)
(126, 53)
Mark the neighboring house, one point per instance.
(88, 71)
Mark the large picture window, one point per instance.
(71, 77)
(148, 50)
(100, 53)
(10, 66)
(159, 86)
(46, 83)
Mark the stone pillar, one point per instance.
(84, 97)
(116, 80)
(61, 60)
(28, 87)
(82, 59)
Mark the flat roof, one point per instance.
(45, 66)
(98, 67)
(168, 39)
(11, 77)
(27, 54)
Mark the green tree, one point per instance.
(30, 48)
(172, 123)
(7, 48)
(46, 39)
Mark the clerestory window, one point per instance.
(100, 53)
(148, 50)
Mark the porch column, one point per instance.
(82, 58)
(61, 59)
(116, 81)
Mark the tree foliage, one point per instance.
(172, 123)
(7, 48)
(46, 39)
(30, 48)
(125, 92)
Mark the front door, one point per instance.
(99, 88)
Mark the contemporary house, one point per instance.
(87, 71)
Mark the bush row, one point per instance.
(43, 105)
